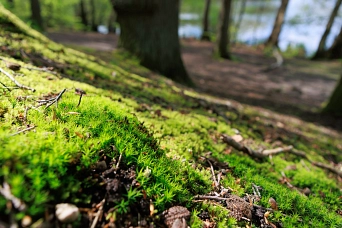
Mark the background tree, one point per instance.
(93, 15)
(149, 30)
(205, 33)
(335, 51)
(334, 106)
(239, 19)
(223, 31)
(278, 23)
(320, 53)
(36, 15)
(83, 14)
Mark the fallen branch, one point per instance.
(98, 214)
(262, 154)
(51, 101)
(15, 81)
(26, 129)
(213, 173)
(6, 192)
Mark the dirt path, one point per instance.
(299, 85)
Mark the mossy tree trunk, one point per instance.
(321, 50)
(278, 23)
(149, 30)
(205, 32)
(334, 105)
(223, 31)
(36, 15)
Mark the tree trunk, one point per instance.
(239, 20)
(36, 16)
(320, 53)
(149, 29)
(83, 14)
(334, 105)
(223, 31)
(335, 51)
(93, 15)
(273, 39)
(205, 33)
(111, 22)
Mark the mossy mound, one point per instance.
(47, 155)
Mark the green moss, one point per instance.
(155, 126)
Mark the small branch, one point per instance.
(51, 101)
(213, 173)
(117, 164)
(99, 212)
(289, 149)
(15, 81)
(6, 192)
(217, 198)
(26, 129)
(4, 86)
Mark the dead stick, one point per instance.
(15, 81)
(56, 99)
(328, 167)
(117, 165)
(93, 225)
(26, 129)
(213, 173)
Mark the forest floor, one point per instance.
(297, 88)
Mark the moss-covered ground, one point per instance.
(159, 127)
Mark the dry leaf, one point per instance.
(79, 134)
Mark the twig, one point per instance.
(256, 190)
(26, 129)
(217, 198)
(213, 173)
(4, 86)
(51, 101)
(117, 164)
(289, 149)
(99, 212)
(15, 81)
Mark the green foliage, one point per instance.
(43, 166)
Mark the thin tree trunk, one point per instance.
(320, 53)
(205, 33)
(273, 39)
(111, 22)
(335, 51)
(149, 29)
(93, 15)
(83, 14)
(36, 14)
(334, 105)
(223, 31)
(239, 20)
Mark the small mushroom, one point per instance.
(273, 204)
(67, 213)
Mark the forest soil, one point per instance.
(297, 88)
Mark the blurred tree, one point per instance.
(239, 20)
(321, 50)
(334, 105)
(93, 15)
(149, 30)
(205, 32)
(111, 22)
(335, 51)
(36, 15)
(223, 30)
(273, 39)
(83, 14)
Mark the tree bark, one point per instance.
(273, 39)
(83, 14)
(335, 51)
(320, 53)
(334, 105)
(223, 31)
(36, 16)
(149, 30)
(205, 33)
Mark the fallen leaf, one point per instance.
(79, 134)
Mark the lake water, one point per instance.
(305, 22)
